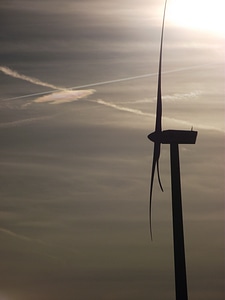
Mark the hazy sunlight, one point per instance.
(205, 15)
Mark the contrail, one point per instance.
(122, 108)
(187, 124)
(67, 94)
(15, 74)
(12, 73)
(57, 96)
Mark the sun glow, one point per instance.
(207, 15)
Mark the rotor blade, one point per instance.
(155, 160)
(158, 122)
(159, 179)
(158, 128)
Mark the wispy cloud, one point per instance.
(64, 96)
(182, 96)
(169, 98)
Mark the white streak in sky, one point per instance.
(83, 86)
(123, 108)
(15, 74)
(61, 95)
(186, 124)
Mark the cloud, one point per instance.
(180, 96)
(64, 96)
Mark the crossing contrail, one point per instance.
(57, 96)
(15, 74)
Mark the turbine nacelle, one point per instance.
(173, 136)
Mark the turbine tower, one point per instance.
(173, 138)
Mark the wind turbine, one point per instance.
(173, 138)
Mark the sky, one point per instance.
(78, 83)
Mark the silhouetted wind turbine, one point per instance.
(173, 138)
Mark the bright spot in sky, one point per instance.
(207, 15)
